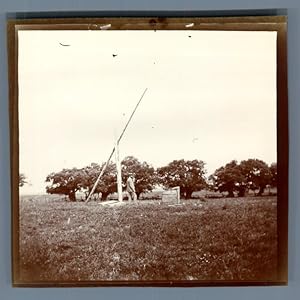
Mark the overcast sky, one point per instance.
(211, 96)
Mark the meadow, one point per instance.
(201, 239)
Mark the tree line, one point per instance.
(189, 175)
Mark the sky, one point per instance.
(211, 95)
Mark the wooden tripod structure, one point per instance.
(114, 149)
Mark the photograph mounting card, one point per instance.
(149, 151)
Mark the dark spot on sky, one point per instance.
(114, 55)
(190, 36)
(64, 45)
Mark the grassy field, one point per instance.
(215, 239)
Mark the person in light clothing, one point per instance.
(130, 188)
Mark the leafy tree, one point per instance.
(273, 172)
(229, 179)
(66, 182)
(145, 175)
(107, 183)
(257, 174)
(188, 174)
(22, 179)
(89, 177)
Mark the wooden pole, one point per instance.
(113, 150)
(119, 174)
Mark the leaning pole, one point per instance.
(114, 148)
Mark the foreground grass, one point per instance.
(219, 239)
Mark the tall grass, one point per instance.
(220, 239)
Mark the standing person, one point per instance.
(130, 188)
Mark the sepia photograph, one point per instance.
(146, 153)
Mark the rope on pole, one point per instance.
(114, 148)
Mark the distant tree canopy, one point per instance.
(69, 181)
(107, 184)
(256, 174)
(66, 182)
(228, 179)
(22, 179)
(251, 174)
(187, 174)
(273, 170)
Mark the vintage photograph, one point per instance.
(147, 156)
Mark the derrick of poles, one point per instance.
(114, 149)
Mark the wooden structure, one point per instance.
(114, 149)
